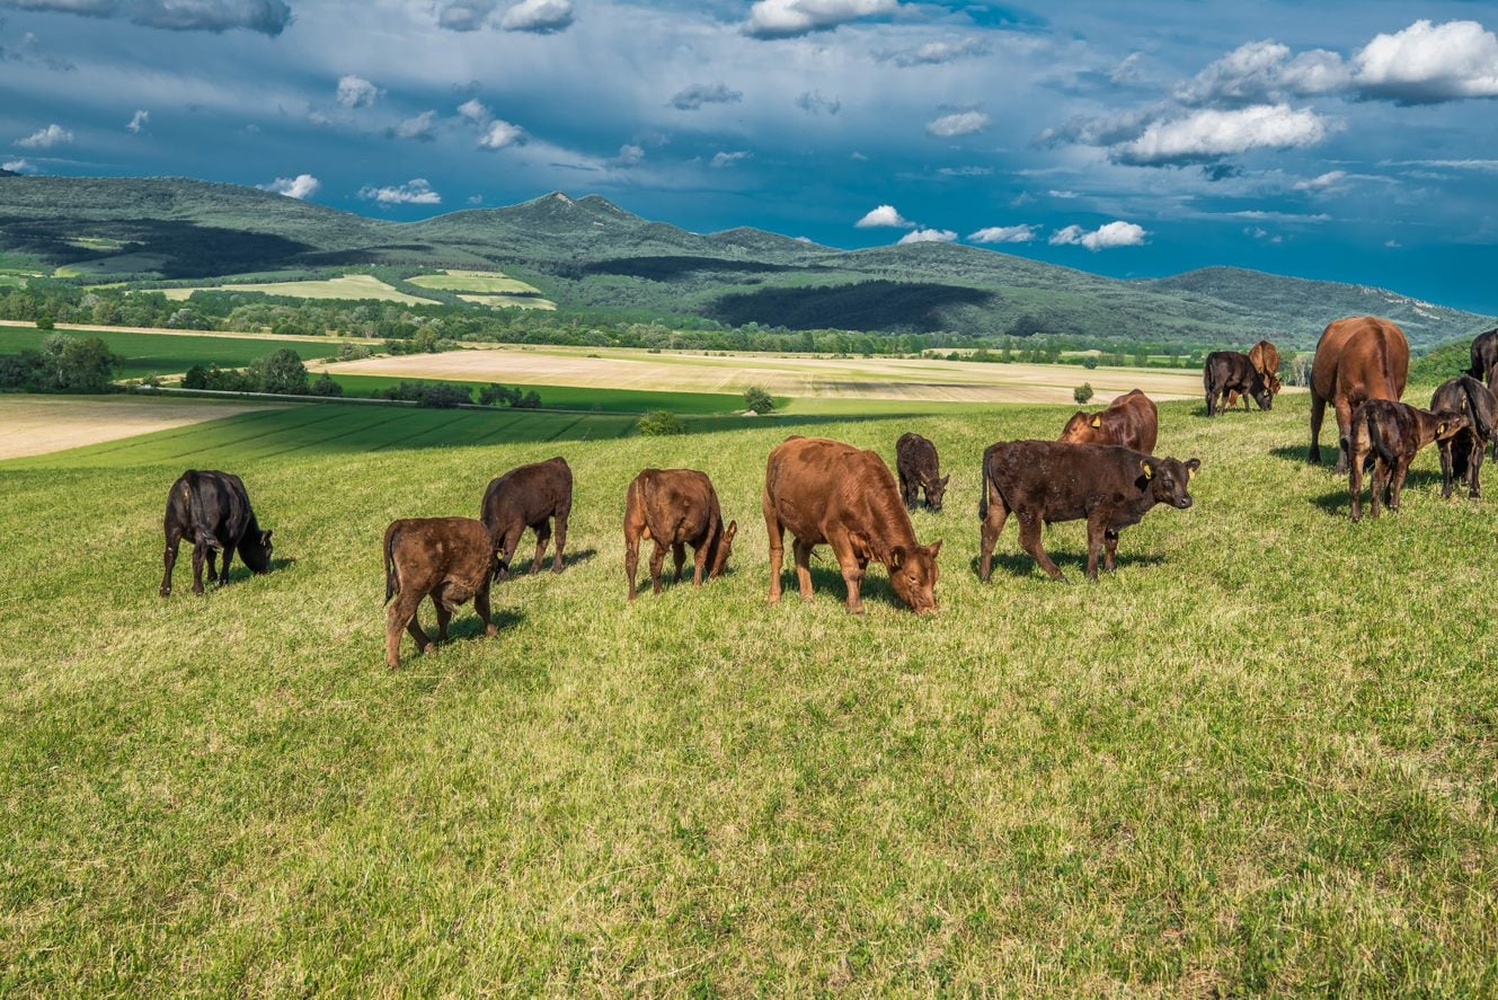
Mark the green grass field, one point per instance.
(166, 354)
(567, 397)
(478, 282)
(1262, 758)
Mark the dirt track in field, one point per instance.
(36, 425)
(851, 378)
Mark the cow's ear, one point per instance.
(945, 479)
(733, 529)
(265, 538)
(1149, 470)
(936, 549)
(1192, 468)
(1097, 421)
(897, 557)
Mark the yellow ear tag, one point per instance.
(1149, 473)
(1190, 473)
(1440, 429)
(1097, 421)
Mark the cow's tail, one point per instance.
(990, 492)
(1380, 446)
(392, 582)
(203, 533)
(1478, 412)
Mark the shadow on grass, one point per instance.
(1339, 502)
(827, 582)
(466, 624)
(1072, 565)
(522, 565)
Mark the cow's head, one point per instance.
(1167, 480)
(1450, 423)
(255, 550)
(913, 573)
(1082, 428)
(724, 550)
(1262, 392)
(935, 490)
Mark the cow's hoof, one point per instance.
(491, 632)
(166, 591)
(430, 647)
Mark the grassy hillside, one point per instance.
(587, 254)
(1259, 759)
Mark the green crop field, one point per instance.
(566, 397)
(1261, 758)
(478, 282)
(349, 286)
(167, 354)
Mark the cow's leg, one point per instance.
(481, 605)
(224, 558)
(199, 554)
(699, 562)
(510, 543)
(853, 569)
(1110, 543)
(401, 614)
(1474, 466)
(1355, 488)
(543, 535)
(993, 523)
(1380, 485)
(1096, 525)
(679, 559)
(776, 531)
(1318, 411)
(803, 567)
(657, 560)
(1030, 526)
(631, 561)
(444, 615)
(169, 560)
(907, 491)
(562, 514)
(1343, 411)
(1448, 477)
(1211, 401)
(1401, 470)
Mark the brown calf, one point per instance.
(450, 559)
(1388, 436)
(919, 469)
(530, 496)
(675, 508)
(1130, 421)
(827, 491)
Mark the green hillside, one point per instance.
(591, 256)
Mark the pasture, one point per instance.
(1260, 758)
(567, 397)
(171, 353)
(476, 282)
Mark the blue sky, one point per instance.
(1350, 141)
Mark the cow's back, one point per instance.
(676, 505)
(528, 493)
(811, 481)
(1055, 479)
(1361, 358)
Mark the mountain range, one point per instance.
(589, 255)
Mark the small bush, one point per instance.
(1090, 362)
(1082, 393)
(659, 422)
(758, 400)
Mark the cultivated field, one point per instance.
(1262, 758)
(798, 377)
(477, 282)
(37, 425)
(349, 286)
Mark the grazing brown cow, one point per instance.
(1227, 372)
(1357, 359)
(827, 491)
(529, 496)
(450, 559)
(1266, 358)
(213, 510)
(1130, 421)
(919, 469)
(1462, 455)
(1485, 358)
(1043, 482)
(675, 508)
(1388, 435)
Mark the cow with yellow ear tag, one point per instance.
(1387, 436)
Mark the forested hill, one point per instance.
(587, 254)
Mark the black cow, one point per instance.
(1462, 455)
(919, 469)
(530, 496)
(1233, 371)
(1387, 435)
(213, 510)
(1485, 357)
(1043, 482)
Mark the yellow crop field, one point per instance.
(350, 286)
(510, 301)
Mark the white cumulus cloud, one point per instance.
(52, 135)
(422, 128)
(500, 134)
(1263, 72)
(1427, 63)
(1327, 180)
(1005, 234)
(356, 92)
(16, 166)
(299, 187)
(728, 159)
(884, 216)
(1114, 234)
(139, 121)
(474, 110)
(792, 18)
(541, 17)
(1210, 134)
(414, 192)
(929, 236)
(962, 123)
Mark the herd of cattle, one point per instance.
(1102, 470)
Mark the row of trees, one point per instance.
(280, 371)
(64, 364)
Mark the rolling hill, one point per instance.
(589, 254)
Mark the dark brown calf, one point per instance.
(1266, 358)
(1043, 482)
(919, 469)
(827, 491)
(530, 496)
(451, 560)
(1388, 435)
(675, 508)
(1130, 421)
(1462, 455)
(212, 509)
(1227, 372)
(1485, 358)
